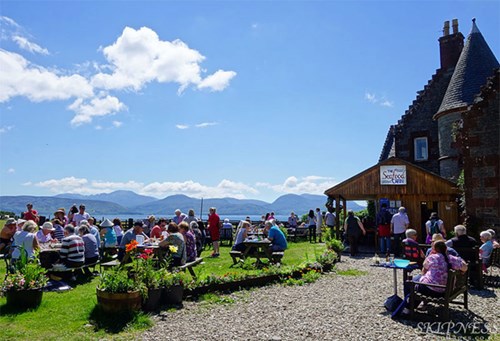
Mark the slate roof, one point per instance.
(475, 65)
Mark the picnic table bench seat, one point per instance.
(189, 266)
(456, 285)
(73, 269)
(238, 255)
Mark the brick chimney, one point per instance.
(450, 45)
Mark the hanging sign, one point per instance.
(393, 175)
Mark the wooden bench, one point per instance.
(456, 285)
(236, 256)
(471, 256)
(64, 270)
(276, 256)
(189, 266)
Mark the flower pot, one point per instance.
(24, 299)
(153, 301)
(119, 302)
(172, 295)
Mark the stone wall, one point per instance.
(481, 155)
(450, 161)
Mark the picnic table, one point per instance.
(256, 248)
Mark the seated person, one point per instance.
(25, 239)
(95, 231)
(72, 249)
(58, 229)
(410, 249)
(435, 270)
(436, 237)
(292, 222)
(90, 244)
(486, 249)
(108, 233)
(157, 230)
(8, 231)
(461, 239)
(496, 245)
(176, 239)
(190, 241)
(130, 235)
(242, 234)
(44, 234)
(276, 236)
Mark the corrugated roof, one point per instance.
(475, 65)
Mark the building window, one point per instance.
(420, 147)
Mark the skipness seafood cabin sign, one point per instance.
(393, 175)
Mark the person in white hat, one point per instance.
(44, 234)
(108, 233)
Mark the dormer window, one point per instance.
(421, 148)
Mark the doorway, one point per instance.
(426, 208)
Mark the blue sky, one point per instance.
(214, 98)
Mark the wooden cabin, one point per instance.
(400, 183)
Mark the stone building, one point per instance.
(453, 124)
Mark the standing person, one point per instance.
(213, 228)
(434, 225)
(330, 221)
(179, 217)
(399, 224)
(31, 214)
(117, 226)
(354, 228)
(311, 224)
(319, 223)
(384, 218)
(81, 215)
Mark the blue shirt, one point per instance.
(277, 237)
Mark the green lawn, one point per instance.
(73, 314)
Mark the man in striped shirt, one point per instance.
(72, 249)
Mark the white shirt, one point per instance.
(42, 238)
(77, 218)
(400, 220)
(330, 219)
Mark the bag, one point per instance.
(434, 227)
(392, 303)
(404, 304)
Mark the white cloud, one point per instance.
(139, 56)
(87, 110)
(27, 45)
(117, 124)
(11, 170)
(9, 21)
(310, 184)
(5, 129)
(20, 78)
(206, 124)
(226, 188)
(217, 81)
(372, 98)
(181, 126)
(255, 25)
(98, 127)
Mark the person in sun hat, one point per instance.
(8, 231)
(20, 224)
(44, 235)
(108, 233)
(437, 237)
(61, 215)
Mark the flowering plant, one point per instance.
(28, 275)
(169, 279)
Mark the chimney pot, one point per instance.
(454, 23)
(446, 28)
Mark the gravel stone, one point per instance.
(333, 308)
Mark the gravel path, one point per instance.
(336, 307)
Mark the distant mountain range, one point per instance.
(122, 203)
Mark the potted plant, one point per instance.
(118, 290)
(327, 259)
(23, 287)
(173, 284)
(150, 278)
(335, 245)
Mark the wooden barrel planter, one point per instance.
(172, 295)
(24, 299)
(152, 302)
(119, 302)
